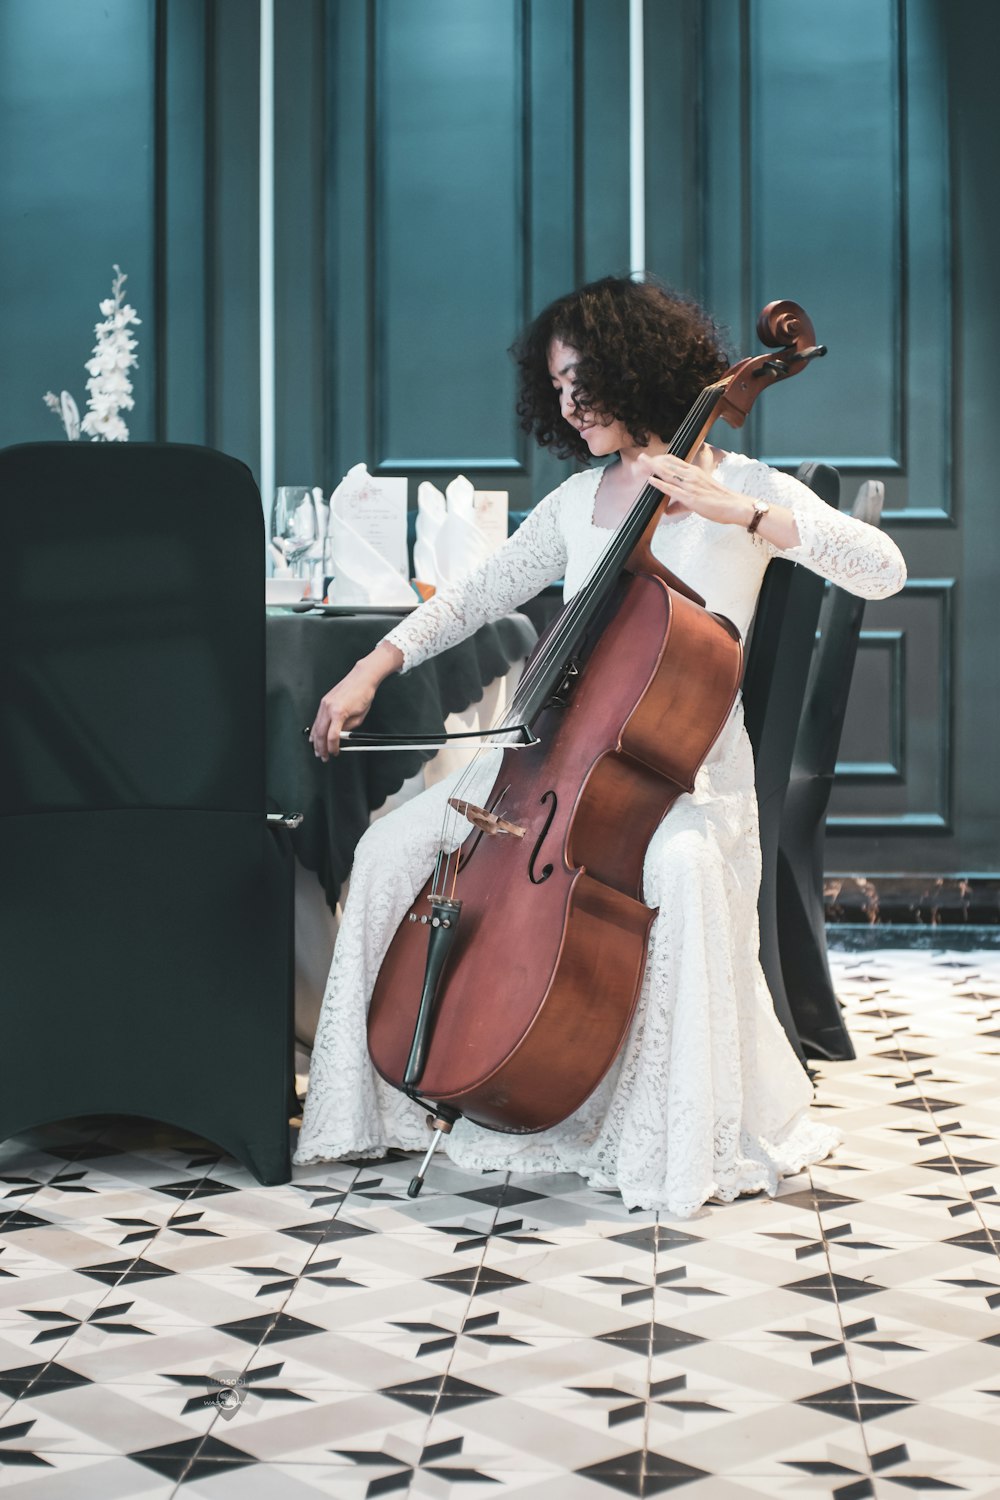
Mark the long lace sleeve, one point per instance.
(860, 558)
(529, 560)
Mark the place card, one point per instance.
(489, 511)
(375, 507)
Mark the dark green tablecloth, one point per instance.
(306, 655)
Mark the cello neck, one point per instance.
(584, 607)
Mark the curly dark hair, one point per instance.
(646, 352)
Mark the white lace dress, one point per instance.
(706, 1099)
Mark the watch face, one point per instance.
(760, 509)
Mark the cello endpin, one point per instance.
(416, 1183)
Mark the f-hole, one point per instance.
(539, 879)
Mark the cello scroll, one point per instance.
(783, 326)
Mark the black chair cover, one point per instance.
(147, 923)
(805, 969)
(774, 684)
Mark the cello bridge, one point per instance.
(487, 822)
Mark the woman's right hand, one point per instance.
(346, 705)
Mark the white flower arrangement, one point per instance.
(109, 386)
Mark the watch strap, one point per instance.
(760, 510)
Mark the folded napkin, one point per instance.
(361, 575)
(431, 514)
(460, 545)
(450, 542)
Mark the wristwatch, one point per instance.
(760, 510)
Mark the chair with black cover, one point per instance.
(801, 920)
(774, 684)
(146, 925)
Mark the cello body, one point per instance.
(514, 1016)
(544, 974)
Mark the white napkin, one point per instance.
(431, 514)
(361, 575)
(459, 545)
(461, 497)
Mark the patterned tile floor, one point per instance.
(168, 1327)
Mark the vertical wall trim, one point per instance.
(636, 142)
(209, 187)
(748, 226)
(374, 157)
(524, 189)
(267, 382)
(525, 185)
(901, 195)
(159, 220)
(579, 181)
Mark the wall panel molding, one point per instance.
(182, 318)
(915, 717)
(472, 175)
(78, 93)
(841, 155)
(837, 194)
(891, 646)
(448, 204)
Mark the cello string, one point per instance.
(449, 828)
(681, 444)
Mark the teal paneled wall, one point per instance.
(449, 246)
(303, 355)
(77, 186)
(128, 134)
(971, 46)
(823, 185)
(232, 53)
(477, 167)
(446, 167)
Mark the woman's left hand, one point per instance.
(691, 487)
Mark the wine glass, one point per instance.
(294, 525)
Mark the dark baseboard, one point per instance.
(952, 901)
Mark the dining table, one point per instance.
(309, 650)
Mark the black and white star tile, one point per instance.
(170, 1328)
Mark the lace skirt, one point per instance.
(706, 1099)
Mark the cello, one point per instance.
(510, 984)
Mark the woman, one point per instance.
(706, 1099)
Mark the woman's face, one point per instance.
(602, 435)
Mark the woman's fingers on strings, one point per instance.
(667, 473)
